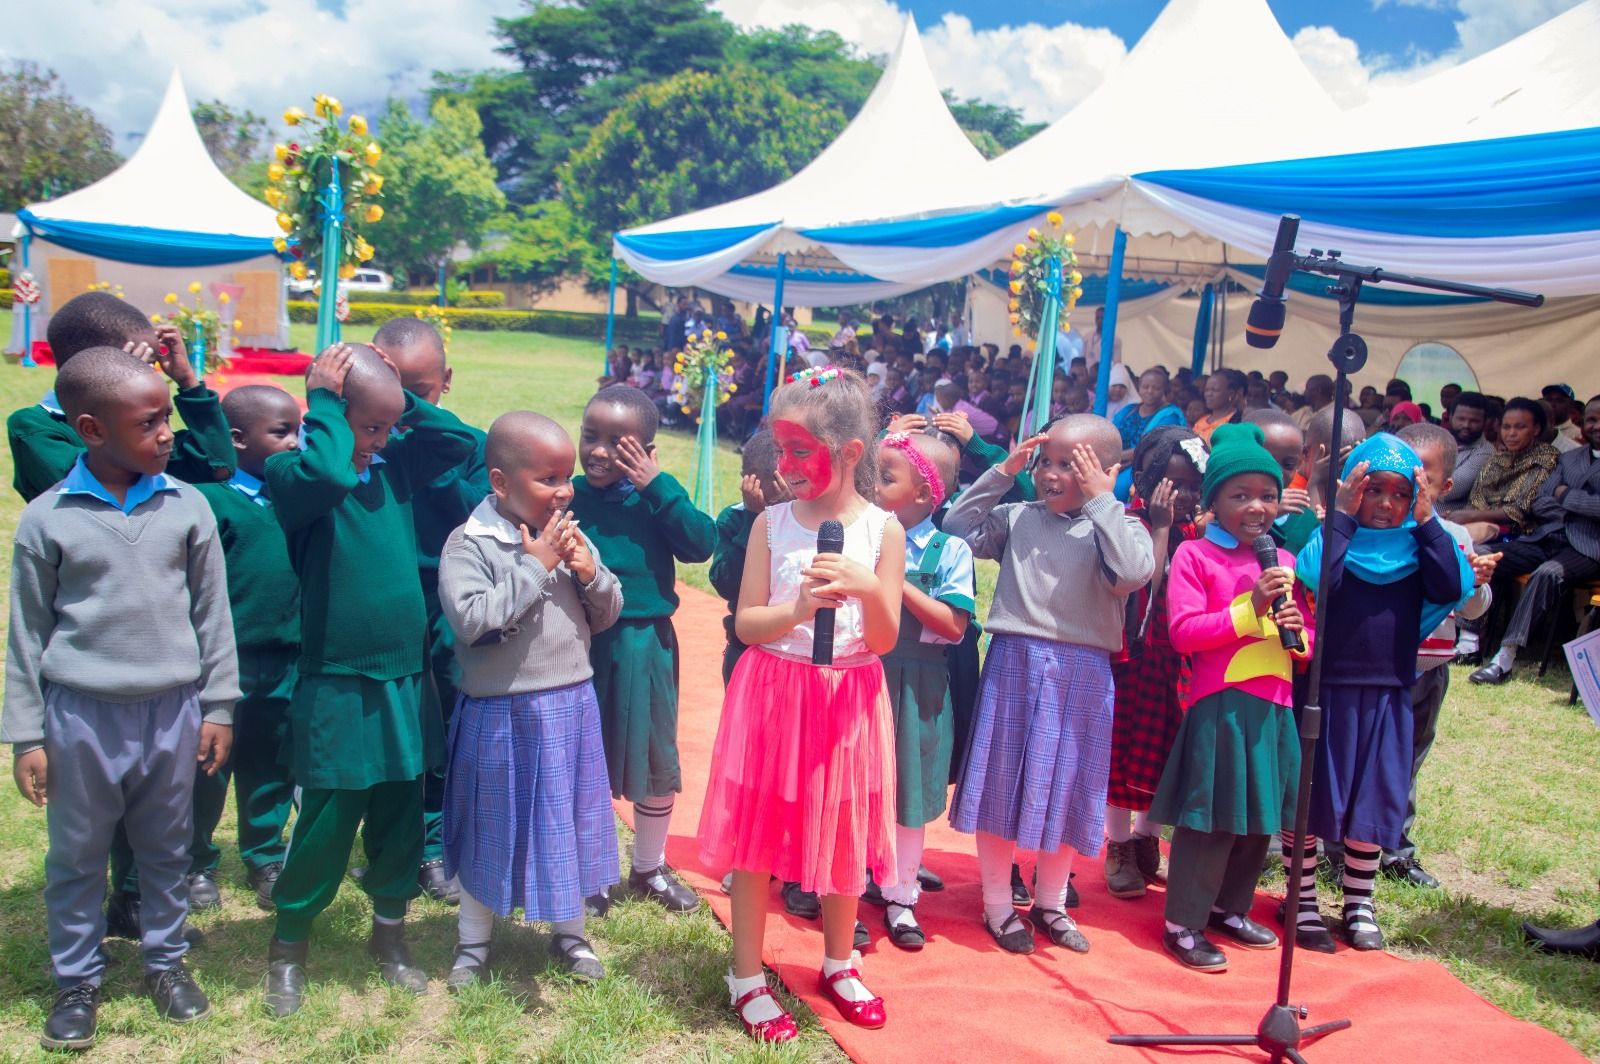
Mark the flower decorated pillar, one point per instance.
(25, 297)
(1108, 331)
(1044, 290)
(779, 338)
(703, 379)
(611, 321)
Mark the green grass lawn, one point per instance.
(1509, 822)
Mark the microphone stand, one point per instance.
(1279, 1034)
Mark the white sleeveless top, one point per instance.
(793, 546)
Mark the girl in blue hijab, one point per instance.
(1395, 574)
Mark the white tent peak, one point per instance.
(170, 182)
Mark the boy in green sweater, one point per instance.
(640, 519)
(44, 448)
(760, 484)
(265, 597)
(440, 506)
(363, 721)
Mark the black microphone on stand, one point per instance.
(1267, 313)
(830, 540)
(1267, 557)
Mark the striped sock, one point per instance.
(1360, 873)
(650, 821)
(1307, 913)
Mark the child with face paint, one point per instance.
(642, 522)
(1034, 777)
(1152, 679)
(1396, 574)
(801, 782)
(1229, 781)
(915, 471)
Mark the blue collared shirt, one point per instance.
(80, 481)
(51, 404)
(954, 579)
(252, 487)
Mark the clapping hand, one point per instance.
(575, 552)
(1294, 500)
(546, 548)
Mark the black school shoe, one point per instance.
(73, 1018)
(1314, 937)
(661, 885)
(262, 880)
(1409, 870)
(1356, 925)
(1248, 934)
(928, 880)
(436, 885)
(861, 938)
(802, 903)
(1019, 890)
(285, 983)
(1580, 942)
(122, 920)
(388, 947)
(1200, 955)
(203, 891)
(178, 998)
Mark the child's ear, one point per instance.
(853, 451)
(1449, 482)
(238, 439)
(498, 483)
(89, 430)
(449, 373)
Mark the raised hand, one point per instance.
(1160, 504)
(954, 424)
(1093, 478)
(1294, 500)
(172, 355)
(546, 549)
(1017, 460)
(750, 492)
(329, 369)
(638, 462)
(1352, 490)
(908, 423)
(1422, 504)
(575, 552)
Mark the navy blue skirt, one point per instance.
(1363, 765)
(527, 802)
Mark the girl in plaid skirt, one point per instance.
(1152, 679)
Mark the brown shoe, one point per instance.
(1147, 855)
(1122, 871)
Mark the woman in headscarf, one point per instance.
(1120, 392)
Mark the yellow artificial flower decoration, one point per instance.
(285, 222)
(1054, 218)
(1014, 305)
(1074, 277)
(280, 152)
(1070, 240)
(364, 250)
(275, 172)
(334, 107)
(194, 287)
(347, 270)
(358, 125)
(237, 324)
(732, 388)
(1015, 318)
(294, 116)
(1066, 326)
(224, 298)
(1016, 286)
(273, 197)
(297, 270)
(1017, 266)
(1019, 251)
(373, 153)
(171, 297)
(374, 213)
(1033, 234)
(280, 245)
(374, 184)
(155, 319)
(721, 335)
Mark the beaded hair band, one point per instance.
(816, 376)
(901, 442)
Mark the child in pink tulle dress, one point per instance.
(802, 775)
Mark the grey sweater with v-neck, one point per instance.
(117, 606)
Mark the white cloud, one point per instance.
(1040, 70)
(115, 55)
(1335, 61)
(1486, 24)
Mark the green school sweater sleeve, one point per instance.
(691, 534)
(991, 455)
(437, 441)
(727, 561)
(263, 590)
(43, 449)
(307, 483)
(202, 451)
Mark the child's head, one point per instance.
(1319, 434)
(759, 459)
(374, 403)
(1171, 452)
(1058, 389)
(1391, 468)
(947, 393)
(1077, 399)
(121, 408)
(1242, 482)
(1283, 438)
(1153, 387)
(263, 421)
(1436, 448)
(530, 467)
(417, 352)
(96, 319)
(1052, 469)
(823, 421)
(916, 472)
(616, 411)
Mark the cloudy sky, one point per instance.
(115, 55)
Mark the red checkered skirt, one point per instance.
(1152, 691)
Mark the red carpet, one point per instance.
(961, 998)
(245, 360)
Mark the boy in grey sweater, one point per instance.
(120, 678)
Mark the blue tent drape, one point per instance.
(147, 247)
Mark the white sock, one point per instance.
(849, 989)
(759, 1009)
(1055, 872)
(474, 924)
(908, 844)
(651, 818)
(1506, 656)
(1233, 920)
(1466, 642)
(1143, 825)
(994, 872)
(1119, 827)
(387, 921)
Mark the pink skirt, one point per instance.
(802, 775)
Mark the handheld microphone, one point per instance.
(830, 540)
(1267, 313)
(1267, 557)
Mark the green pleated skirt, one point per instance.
(918, 680)
(1233, 768)
(636, 681)
(349, 733)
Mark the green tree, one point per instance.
(439, 186)
(542, 243)
(691, 141)
(994, 128)
(50, 145)
(235, 139)
(814, 65)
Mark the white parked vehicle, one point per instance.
(364, 280)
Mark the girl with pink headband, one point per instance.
(915, 473)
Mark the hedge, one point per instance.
(551, 322)
(5, 277)
(428, 299)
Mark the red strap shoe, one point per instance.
(868, 1013)
(780, 1028)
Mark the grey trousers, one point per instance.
(1427, 697)
(110, 761)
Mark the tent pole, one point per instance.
(778, 335)
(1222, 326)
(1202, 331)
(442, 297)
(27, 309)
(611, 321)
(1108, 331)
(332, 251)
